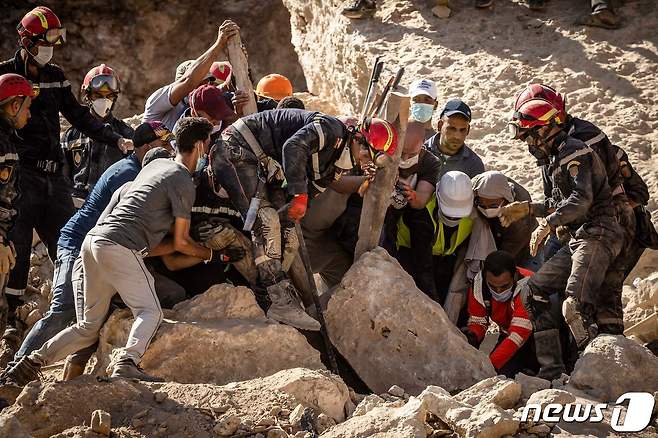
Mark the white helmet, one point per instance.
(455, 195)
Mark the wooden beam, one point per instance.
(240, 66)
(378, 197)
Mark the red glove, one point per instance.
(297, 208)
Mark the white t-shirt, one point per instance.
(159, 108)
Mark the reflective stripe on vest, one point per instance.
(438, 249)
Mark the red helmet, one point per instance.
(532, 114)
(101, 78)
(381, 136)
(13, 85)
(41, 24)
(540, 91)
(221, 70)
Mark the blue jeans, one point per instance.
(62, 307)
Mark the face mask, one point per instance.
(217, 128)
(503, 296)
(422, 112)
(102, 107)
(447, 221)
(405, 164)
(489, 212)
(43, 56)
(201, 163)
(344, 162)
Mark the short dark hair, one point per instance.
(189, 130)
(291, 102)
(499, 262)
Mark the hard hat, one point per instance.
(541, 91)
(381, 136)
(13, 85)
(221, 70)
(41, 24)
(101, 78)
(455, 194)
(274, 86)
(532, 114)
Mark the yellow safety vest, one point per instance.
(463, 231)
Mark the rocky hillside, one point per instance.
(232, 372)
(145, 41)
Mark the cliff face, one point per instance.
(144, 41)
(485, 57)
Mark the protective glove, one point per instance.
(511, 213)
(470, 336)
(7, 258)
(229, 254)
(297, 207)
(563, 234)
(539, 236)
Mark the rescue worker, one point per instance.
(61, 313)
(493, 190)
(418, 173)
(611, 318)
(45, 204)
(214, 223)
(424, 101)
(497, 295)
(208, 101)
(291, 102)
(85, 160)
(16, 94)
(159, 200)
(450, 211)
(167, 104)
(448, 144)
(578, 201)
(257, 153)
(270, 90)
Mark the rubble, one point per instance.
(218, 337)
(400, 337)
(500, 391)
(628, 367)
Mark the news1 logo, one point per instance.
(638, 413)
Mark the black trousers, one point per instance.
(45, 205)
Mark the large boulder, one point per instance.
(393, 334)
(613, 365)
(498, 390)
(218, 337)
(173, 409)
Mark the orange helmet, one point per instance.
(274, 86)
(221, 70)
(41, 24)
(381, 136)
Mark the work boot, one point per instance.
(25, 371)
(549, 354)
(128, 369)
(360, 9)
(483, 3)
(601, 17)
(286, 309)
(536, 5)
(72, 370)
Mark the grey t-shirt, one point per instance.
(159, 108)
(162, 191)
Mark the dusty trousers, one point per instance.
(579, 269)
(109, 268)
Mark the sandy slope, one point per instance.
(484, 57)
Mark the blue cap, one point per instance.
(456, 106)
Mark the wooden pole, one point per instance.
(240, 66)
(378, 197)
